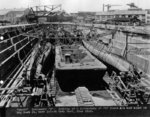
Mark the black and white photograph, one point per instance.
(70, 58)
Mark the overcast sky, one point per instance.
(75, 5)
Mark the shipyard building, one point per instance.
(143, 15)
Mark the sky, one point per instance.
(75, 5)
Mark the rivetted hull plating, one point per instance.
(107, 57)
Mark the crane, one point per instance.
(109, 6)
(132, 5)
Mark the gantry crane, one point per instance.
(108, 6)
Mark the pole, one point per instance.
(103, 7)
(126, 50)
